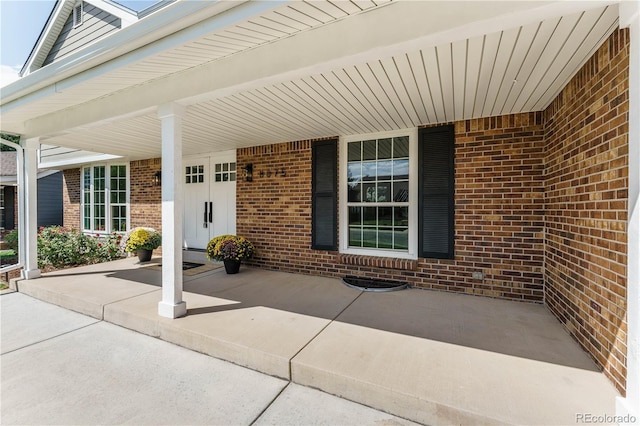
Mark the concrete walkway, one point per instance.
(61, 367)
(431, 357)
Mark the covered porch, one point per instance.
(200, 77)
(430, 357)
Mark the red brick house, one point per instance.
(476, 148)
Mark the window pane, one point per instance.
(385, 216)
(218, 178)
(369, 192)
(353, 149)
(384, 170)
(401, 147)
(232, 177)
(355, 216)
(369, 237)
(369, 150)
(384, 149)
(354, 172)
(401, 216)
(369, 216)
(369, 170)
(355, 236)
(401, 239)
(218, 167)
(383, 192)
(385, 238)
(401, 169)
(114, 197)
(355, 192)
(225, 167)
(401, 192)
(232, 167)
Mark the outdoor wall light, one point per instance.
(248, 172)
(157, 179)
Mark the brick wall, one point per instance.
(499, 214)
(71, 199)
(145, 198)
(586, 180)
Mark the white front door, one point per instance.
(209, 198)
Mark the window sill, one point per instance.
(379, 262)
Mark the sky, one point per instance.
(21, 22)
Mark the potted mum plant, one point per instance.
(230, 249)
(142, 241)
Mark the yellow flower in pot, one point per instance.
(142, 241)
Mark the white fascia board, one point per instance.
(78, 161)
(167, 28)
(55, 16)
(126, 15)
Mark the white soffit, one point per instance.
(256, 31)
(517, 70)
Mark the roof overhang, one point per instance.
(248, 76)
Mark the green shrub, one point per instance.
(109, 247)
(58, 246)
(12, 240)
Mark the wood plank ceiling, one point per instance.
(517, 70)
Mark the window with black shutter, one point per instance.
(324, 206)
(436, 192)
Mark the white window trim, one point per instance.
(107, 197)
(412, 253)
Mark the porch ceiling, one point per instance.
(519, 65)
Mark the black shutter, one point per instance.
(436, 192)
(324, 203)
(9, 207)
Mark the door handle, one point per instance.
(205, 214)
(210, 212)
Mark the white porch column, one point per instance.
(629, 407)
(29, 216)
(171, 305)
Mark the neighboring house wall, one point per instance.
(96, 24)
(50, 200)
(498, 217)
(586, 206)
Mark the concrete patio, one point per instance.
(430, 357)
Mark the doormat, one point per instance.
(191, 268)
(371, 284)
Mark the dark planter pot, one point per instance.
(231, 266)
(144, 255)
